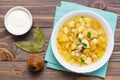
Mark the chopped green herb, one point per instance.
(89, 34)
(84, 44)
(82, 60)
(79, 39)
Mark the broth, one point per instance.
(81, 41)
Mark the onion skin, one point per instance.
(35, 63)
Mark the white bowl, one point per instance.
(94, 66)
(18, 20)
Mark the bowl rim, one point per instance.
(18, 8)
(94, 66)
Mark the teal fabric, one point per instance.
(65, 8)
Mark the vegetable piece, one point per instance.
(66, 30)
(86, 51)
(80, 40)
(35, 62)
(80, 28)
(94, 33)
(73, 45)
(63, 37)
(82, 60)
(71, 39)
(71, 23)
(84, 45)
(5, 55)
(89, 34)
(36, 45)
(92, 45)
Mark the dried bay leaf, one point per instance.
(36, 45)
(39, 37)
(25, 45)
(28, 46)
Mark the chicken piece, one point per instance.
(95, 41)
(88, 60)
(80, 36)
(75, 54)
(79, 47)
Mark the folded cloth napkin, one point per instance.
(65, 8)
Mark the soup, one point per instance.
(81, 41)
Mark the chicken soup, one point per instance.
(81, 41)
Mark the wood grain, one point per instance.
(43, 12)
(20, 71)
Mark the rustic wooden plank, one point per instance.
(117, 36)
(54, 3)
(43, 12)
(28, 36)
(112, 3)
(19, 70)
(115, 57)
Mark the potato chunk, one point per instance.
(71, 24)
(63, 37)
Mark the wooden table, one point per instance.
(43, 12)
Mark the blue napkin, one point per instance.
(65, 8)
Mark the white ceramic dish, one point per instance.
(94, 66)
(18, 20)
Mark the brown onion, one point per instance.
(35, 62)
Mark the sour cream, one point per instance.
(18, 20)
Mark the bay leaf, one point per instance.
(39, 37)
(35, 46)
(28, 46)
